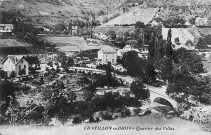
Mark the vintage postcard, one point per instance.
(105, 67)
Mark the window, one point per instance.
(19, 67)
(24, 66)
(106, 60)
(21, 61)
(112, 60)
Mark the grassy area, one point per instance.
(4, 51)
(120, 30)
(13, 43)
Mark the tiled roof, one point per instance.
(14, 58)
(108, 49)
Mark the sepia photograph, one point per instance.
(105, 67)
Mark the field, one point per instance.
(15, 47)
(136, 14)
(120, 30)
(199, 32)
(72, 44)
(12, 43)
(183, 34)
(181, 127)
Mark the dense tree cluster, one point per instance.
(24, 28)
(174, 22)
(139, 90)
(133, 63)
(7, 95)
(203, 42)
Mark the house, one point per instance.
(127, 48)
(6, 28)
(16, 63)
(107, 54)
(144, 51)
(101, 36)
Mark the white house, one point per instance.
(107, 54)
(142, 52)
(16, 63)
(127, 48)
(6, 28)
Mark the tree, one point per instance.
(151, 48)
(32, 60)
(66, 62)
(112, 34)
(70, 62)
(192, 21)
(174, 22)
(7, 95)
(139, 25)
(164, 67)
(190, 61)
(101, 13)
(169, 49)
(89, 92)
(133, 63)
(41, 81)
(126, 34)
(3, 74)
(203, 42)
(60, 27)
(13, 74)
(139, 90)
(72, 96)
(105, 20)
(108, 74)
(187, 65)
(150, 73)
(22, 72)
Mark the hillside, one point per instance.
(134, 15)
(51, 12)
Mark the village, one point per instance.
(136, 63)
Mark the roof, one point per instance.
(14, 58)
(108, 49)
(127, 50)
(8, 25)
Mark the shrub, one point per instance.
(105, 20)
(107, 115)
(77, 120)
(125, 112)
(206, 98)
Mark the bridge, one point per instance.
(87, 70)
(158, 94)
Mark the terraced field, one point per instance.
(12, 43)
(120, 30)
(72, 44)
(136, 14)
